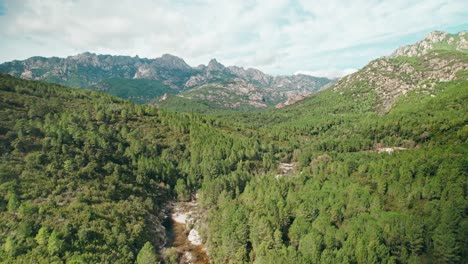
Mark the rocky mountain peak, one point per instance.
(434, 40)
(251, 74)
(172, 62)
(214, 65)
(83, 56)
(200, 67)
(259, 76)
(436, 36)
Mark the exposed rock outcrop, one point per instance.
(434, 40)
(421, 65)
(230, 87)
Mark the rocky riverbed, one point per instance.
(184, 240)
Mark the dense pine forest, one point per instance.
(371, 169)
(349, 201)
(85, 177)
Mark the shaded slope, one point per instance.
(140, 91)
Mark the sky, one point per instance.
(280, 37)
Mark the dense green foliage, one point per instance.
(348, 203)
(194, 105)
(140, 91)
(84, 176)
(181, 104)
(147, 255)
(81, 174)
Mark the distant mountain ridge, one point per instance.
(228, 87)
(87, 69)
(234, 87)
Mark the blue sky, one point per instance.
(326, 38)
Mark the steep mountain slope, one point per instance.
(79, 177)
(439, 57)
(228, 87)
(416, 66)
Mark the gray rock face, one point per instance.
(172, 62)
(235, 86)
(251, 74)
(214, 65)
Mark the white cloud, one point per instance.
(329, 73)
(277, 36)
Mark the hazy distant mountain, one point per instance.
(236, 87)
(143, 80)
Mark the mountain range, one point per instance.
(169, 82)
(371, 169)
(144, 80)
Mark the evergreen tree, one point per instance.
(147, 255)
(13, 202)
(446, 249)
(55, 244)
(42, 236)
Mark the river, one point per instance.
(183, 239)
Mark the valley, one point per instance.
(371, 168)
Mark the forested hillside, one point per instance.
(367, 188)
(85, 176)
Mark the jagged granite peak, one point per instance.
(173, 62)
(214, 65)
(85, 58)
(251, 74)
(201, 67)
(435, 40)
(82, 55)
(234, 85)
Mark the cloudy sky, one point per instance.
(327, 38)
